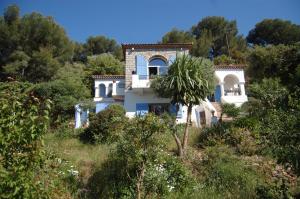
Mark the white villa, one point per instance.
(142, 63)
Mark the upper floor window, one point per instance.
(157, 66)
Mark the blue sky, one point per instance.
(146, 21)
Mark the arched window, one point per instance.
(102, 90)
(157, 66)
(231, 85)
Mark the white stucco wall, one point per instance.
(222, 73)
(132, 98)
(107, 82)
(237, 73)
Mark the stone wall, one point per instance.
(148, 53)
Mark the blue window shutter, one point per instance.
(141, 109)
(171, 59)
(141, 66)
(101, 106)
(218, 93)
(179, 113)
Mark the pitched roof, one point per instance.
(108, 76)
(230, 66)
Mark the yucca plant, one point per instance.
(188, 82)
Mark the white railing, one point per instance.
(140, 81)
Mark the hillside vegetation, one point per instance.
(44, 74)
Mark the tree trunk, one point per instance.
(178, 143)
(186, 130)
(139, 182)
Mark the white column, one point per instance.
(77, 117)
(242, 87)
(114, 88)
(222, 89)
(96, 90)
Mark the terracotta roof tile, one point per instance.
(230, 66)
(108, 76)
(157, 46)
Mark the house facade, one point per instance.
(145, 61)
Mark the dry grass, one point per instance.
(194, 133)
(85, 157)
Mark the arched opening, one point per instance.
(231, 85)
(109, 91)
(157, 66)
(102, 90)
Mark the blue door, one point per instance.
(218, 93)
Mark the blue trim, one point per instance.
(141, 66)
(218, 93)
(100, 106)
(142, 109)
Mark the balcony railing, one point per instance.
(142, 81)
(233, 92)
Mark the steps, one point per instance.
(218, 108)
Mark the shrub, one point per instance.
(66, 130)
(106, 126)
(223, 174)
(243, 140)
(23, 121)
(223, 59)
(140, 165)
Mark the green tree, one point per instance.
(274, 31)
(11, 14)
(275, 61)
(17, 64)
(100, 44)
(23, 121)
(203, 44)
(177, 36)
(107, 126)
(140, 167)
(42, 66)
(223, 34)
(278, 114)
(105, 64)
(33, 42)
(65, 91)
(230, 110)
(188, 82)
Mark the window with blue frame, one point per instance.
(157, 66)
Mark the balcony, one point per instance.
(141, 81)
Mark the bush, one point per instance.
(141, 165)
(223, 174)
(23, 122)
(66, 130)
(243, 140)
(106, 126)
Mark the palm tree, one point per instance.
(188, 82)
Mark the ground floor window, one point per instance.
(159, 109)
